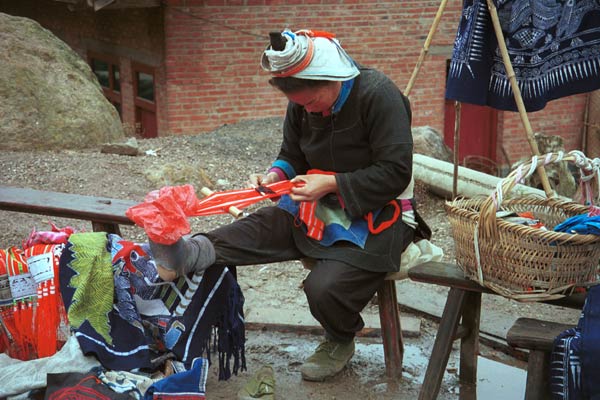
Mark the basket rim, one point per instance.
(453, 206)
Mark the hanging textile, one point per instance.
(554, 48)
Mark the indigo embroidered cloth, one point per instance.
(554, 48)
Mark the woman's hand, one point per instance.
(312, 187)
(263, 179)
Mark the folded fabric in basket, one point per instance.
(582, 224)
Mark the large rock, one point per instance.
(429, 142)
(49, 96)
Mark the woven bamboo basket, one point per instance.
(519, 261)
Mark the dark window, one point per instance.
(145, 86)
(144, 100)
(101, 70)
(106, 69)
(116, 79)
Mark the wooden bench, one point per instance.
(460, 320)
(537, 336)
(106, 214)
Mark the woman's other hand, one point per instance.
(312, 187)
(263, 179)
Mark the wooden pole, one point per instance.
(425, 49)
(457, 108)
(517, 94)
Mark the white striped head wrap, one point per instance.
(308, 54)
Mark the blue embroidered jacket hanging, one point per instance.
(554, 48)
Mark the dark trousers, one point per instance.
(336, 291)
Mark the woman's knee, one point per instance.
(318, 288)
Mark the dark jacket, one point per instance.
(368, 143)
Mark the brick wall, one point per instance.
(562, 117)
(206, 55)
(213, 50)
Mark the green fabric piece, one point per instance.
(93, 283)
(332, 216)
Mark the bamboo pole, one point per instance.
(457, 108)
(517, 94)
(425, 49)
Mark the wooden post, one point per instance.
(510, 73)
(391, 331)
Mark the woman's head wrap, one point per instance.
(308, 55)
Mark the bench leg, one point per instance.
(391, 332)
(538, 383)
(442, 345)
(106, 227)
(469, 345)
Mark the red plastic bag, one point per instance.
(162, 214)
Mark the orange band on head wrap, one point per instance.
(305, 62)
(311, 33)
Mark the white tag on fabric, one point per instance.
(41, 267)
(152, 307)
(22, 285)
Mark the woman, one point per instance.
(347, 145)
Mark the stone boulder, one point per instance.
(50, 98)
(429, 142)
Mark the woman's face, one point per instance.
(316, 100)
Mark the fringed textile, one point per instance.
(554, 48)
(148, 318)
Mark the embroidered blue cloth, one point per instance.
(189, 384)
(122, 312)
(574, 367)
(554, 48)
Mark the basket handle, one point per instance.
(488, 227)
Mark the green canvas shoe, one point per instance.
(260, 386)
(329, 359)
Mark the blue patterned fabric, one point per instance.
(574, 367)
(190, 384)
(565, 366)
(554, 48)
(148, 318)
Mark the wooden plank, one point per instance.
(444, 274)
(91, 208)
(300, 320)
(534, 334)
(449, 274)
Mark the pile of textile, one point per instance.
(88, 312)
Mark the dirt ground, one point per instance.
(222, 160)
